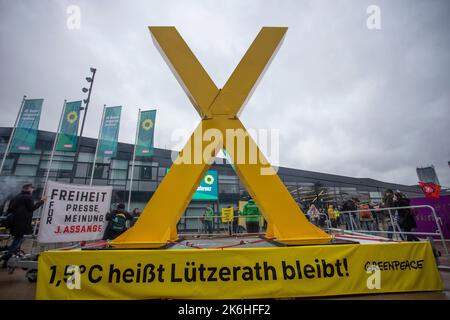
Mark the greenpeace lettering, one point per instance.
(74, 213)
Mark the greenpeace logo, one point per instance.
(204, 189)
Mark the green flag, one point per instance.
(144, 143)
(68, 134)
(25, 135)
(107, 146)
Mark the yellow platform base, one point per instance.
(246, 273)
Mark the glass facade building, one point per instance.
(305, 186)
(427, 174)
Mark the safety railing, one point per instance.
(222, 228)
(351, 219)
(322, 217)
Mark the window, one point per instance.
(8, 166)
(57, 165)
(146, 173)
(146, 186)
(85, 157)
(119, 164)
(136, 175)
(161, 172)
(28, 159)
(82, 170)
(101, 171)
(25, 170)
(228, 188)
(118, 174)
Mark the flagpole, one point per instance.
(134, 158)
(54, 144)
(12, 134)
(96, 148)
(50, 163)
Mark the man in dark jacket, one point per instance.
(388, 202)
(406, 219)
(350, 205)
(21, 210)
(117, 222)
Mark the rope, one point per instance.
(242, 242)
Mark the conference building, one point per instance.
(220, 187)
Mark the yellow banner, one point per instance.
(227, 215)
(247, 273)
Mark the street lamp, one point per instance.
(86, 101)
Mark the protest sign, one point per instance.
(74, 212)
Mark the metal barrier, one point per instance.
(226, 227)
(326, 220)
(396, 233)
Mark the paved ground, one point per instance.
(16, 287)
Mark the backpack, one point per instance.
(118, 223)
(365, 211)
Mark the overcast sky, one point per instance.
(347, 99)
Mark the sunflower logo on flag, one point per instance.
(147, 124)
(72, 116)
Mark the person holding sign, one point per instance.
(20, 216)
(227, 217)
(117, 222)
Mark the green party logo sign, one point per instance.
(144, 143)
(147, 124)
(68, 133)
(72, 117)
(208, 189)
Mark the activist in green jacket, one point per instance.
(251, 211)
(208, 217)
(252, 215)
(209, 214)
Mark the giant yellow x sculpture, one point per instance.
(219, 109)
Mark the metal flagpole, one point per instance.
(50, 163)
(134, 158)
(12, 134)
(54, 145)
(98, 141)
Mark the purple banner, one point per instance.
(424, 217)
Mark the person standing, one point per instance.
(227, 218)
(388, 202)
(235, 220)
(365, 217)
(20, 217)
(117, 222)
(314, 214)
(406, 220)
(332, 215)
(252, 215)
(208, 217)
(350, 205)
(134, 216)
(337, 214)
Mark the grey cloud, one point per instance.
(347, 100)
